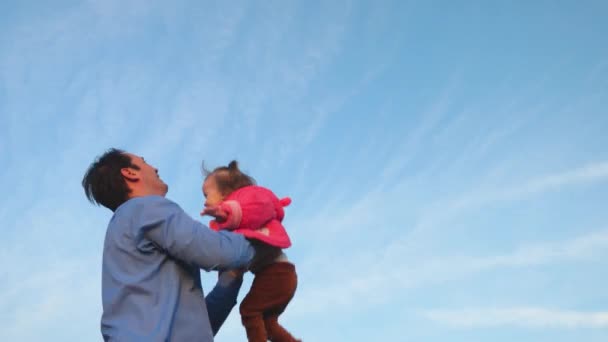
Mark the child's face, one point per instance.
(212, 194)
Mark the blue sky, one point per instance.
(447, 161)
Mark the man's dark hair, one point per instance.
(229, 178)
(103, 182)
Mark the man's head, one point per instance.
(117, 176)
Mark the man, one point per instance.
(152, 256)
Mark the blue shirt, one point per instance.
(151, 287)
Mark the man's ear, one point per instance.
(130, 174)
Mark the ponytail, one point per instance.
(233, 166)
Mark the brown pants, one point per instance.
(271, 290)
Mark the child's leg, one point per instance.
(276, 333)
(252, 308)
(286, 282)
(271, 290)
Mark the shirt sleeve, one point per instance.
(222, 299)
(177, 234)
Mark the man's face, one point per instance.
(148, 178)
(212, 194)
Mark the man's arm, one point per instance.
(169, 227)
(222, 298)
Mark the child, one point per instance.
(236, 203)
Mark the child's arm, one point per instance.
(249, 208)
(227, 215)
(217, 212)
(258, 206)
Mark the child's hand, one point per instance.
(217, 212)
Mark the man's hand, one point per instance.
(237, 272)
(217, 212)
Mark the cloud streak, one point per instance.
(528, 317)
(442, 210)
(593, 172)
(383, 275)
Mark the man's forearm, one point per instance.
(222, 298)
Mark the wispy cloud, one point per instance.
(529, 317)
(416, 137)
(581, 247)
(36, 303)
(383, 275)
(593, 172)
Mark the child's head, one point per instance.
(222, 181)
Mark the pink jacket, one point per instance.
(256, 213)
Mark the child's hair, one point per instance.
(228, 178)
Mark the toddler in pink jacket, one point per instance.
(237, 204)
